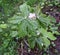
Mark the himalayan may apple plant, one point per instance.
(31, 25)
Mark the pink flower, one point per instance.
(32, 16)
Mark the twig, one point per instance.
(21, 48)
(26, 42)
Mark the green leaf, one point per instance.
(14, 33)
(39, 41)
(22, 29)
(3, 25)
(52, 19)
(16, 19)
(24, 8)
(31, 2)
(5, 43)
(31, 42)
(1, 30)
(41, 22)
(32, 26)
(47, 34)
(51, 36)
(46, 41)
